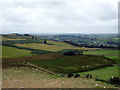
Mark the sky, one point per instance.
(59, 16)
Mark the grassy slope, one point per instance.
(103, 73)
(60, 46)
(56, 47)
(113, 54)
(32, 78)
(71, 64)
(4, 39)
(11, 52)
(106, 72)
(59, 43)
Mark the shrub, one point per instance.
(79, 52)
(73, 52)
(70, 75)
(69, 53)
(77, 75)
(45, 41)
(115, 80)
(27, 35)
(88, 76)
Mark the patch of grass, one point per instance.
(113, 54)
(72, 64)
(31, 78)
(103, 73)
(58, 43)
(4, 39)
(116, 38)
(11, 52)
(56, 47)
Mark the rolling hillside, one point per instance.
(17, 51)
(11, 52)
(57, 46)
(33, 78)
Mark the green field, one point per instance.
(58, 43)
(72, 64)
(113, 54)
(4, 39)
(11, 52)
(109, 52)
(56, 47)
(18, 57)
(106, 72)
(103, 73)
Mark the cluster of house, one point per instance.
(98, 44)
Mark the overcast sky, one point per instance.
(65, 16)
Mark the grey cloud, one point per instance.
(109, 13)
(59, 16)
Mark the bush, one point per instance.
(70, 75)
(73, 52)
(115, 80)
(77, 75)
(69, 53)
(27, 35)
(88, 76)
(45, 41)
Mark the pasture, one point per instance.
(94, 64)
(11, 52)
(72, 64)
(4, 39)
(103, 73)
(59, 43)
(55, 48)
(24, 77)
(106, 72)
(113, 54)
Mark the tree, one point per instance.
(70, 53)
(33, 37)
(45, 41)
(27, 35)
(73, 52)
